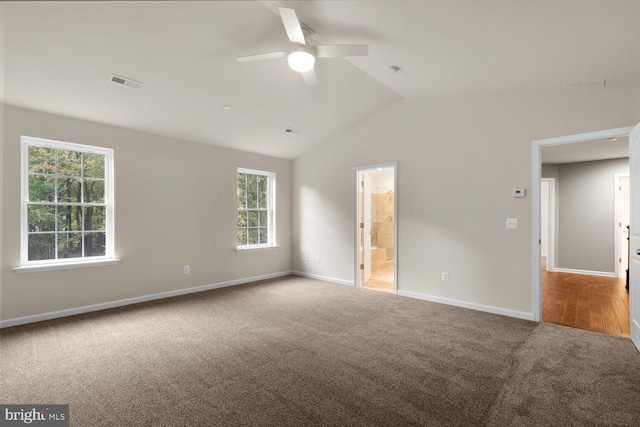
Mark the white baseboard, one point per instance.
(587, 272)
(119, 303)
(323, 278)
(465, 304)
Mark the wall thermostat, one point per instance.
(517, 192)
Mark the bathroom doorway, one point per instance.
(376, 227)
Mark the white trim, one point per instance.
(323, 278)
(271, 210)
(356, 221)
(469, 305)
(551, 256)
(119, 303)
(109, 199)
(256, 248)
(64, 266)
(617, 218)
(536, 162)
(585, 272)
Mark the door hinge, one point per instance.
(362, 225)
(361, 266)
(620, 260)
(539, 241)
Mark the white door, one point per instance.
(625, 209)
(366, 230)
(544, 219)
(634, 286)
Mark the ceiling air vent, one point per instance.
(292, 131)
(124, 81)
(585, 84)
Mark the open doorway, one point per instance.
(376, 227)
(583, 287)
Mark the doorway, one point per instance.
(567, 141)
(376, 227)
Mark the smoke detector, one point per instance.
(124, 81)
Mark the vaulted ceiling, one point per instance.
(58, 57)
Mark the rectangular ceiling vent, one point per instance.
(292, 131)
(124, 81)
(585, 84)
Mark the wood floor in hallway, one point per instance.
(594, 303)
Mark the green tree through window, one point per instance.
(67, 209)
(255, 208)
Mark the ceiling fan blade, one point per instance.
(310, 77)
(340, 50)
(292, 25)
(261, 56)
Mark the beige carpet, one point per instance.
(297, 352)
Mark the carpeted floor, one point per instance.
(298, 352)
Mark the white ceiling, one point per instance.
(58, 56)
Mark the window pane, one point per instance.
(242, 181)
(94, 165)
(262, 200)
(69, 218)
(69, 163)
(263, 219)
(252, 184)
(69, 245)
(253, 218)
(242, 198)
(242, 236)
(95, 218)
(264, 236)
(41, 218)
(69, 190)
(94, 244)
(93, 191)
(42, 189)
(252, 201)
(42, 160)
(262, 183)
(242, 219)
(253, 236)
(41, 246)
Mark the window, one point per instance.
(67, 202)
(256, 209)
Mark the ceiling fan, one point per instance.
(302, 56)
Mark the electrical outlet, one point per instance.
(187, 269)
(306, 258)
(445, 276)
(512, 223)
(317, 260)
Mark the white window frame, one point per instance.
(271, 210)
(27, 265)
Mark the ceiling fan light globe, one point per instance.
(301, 61)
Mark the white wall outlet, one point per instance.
(306, 258)
(186, 269)
(317, 260)
(445, 276)
(512, 223)
(517, 192)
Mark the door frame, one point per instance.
(551, 238)
(617, 218)
(535, 194)
(356, 222)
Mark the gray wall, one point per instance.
(553, 171)
(587, 213)
(175, 204)
(458, 159)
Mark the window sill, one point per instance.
(256, 248)
(64, 266)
